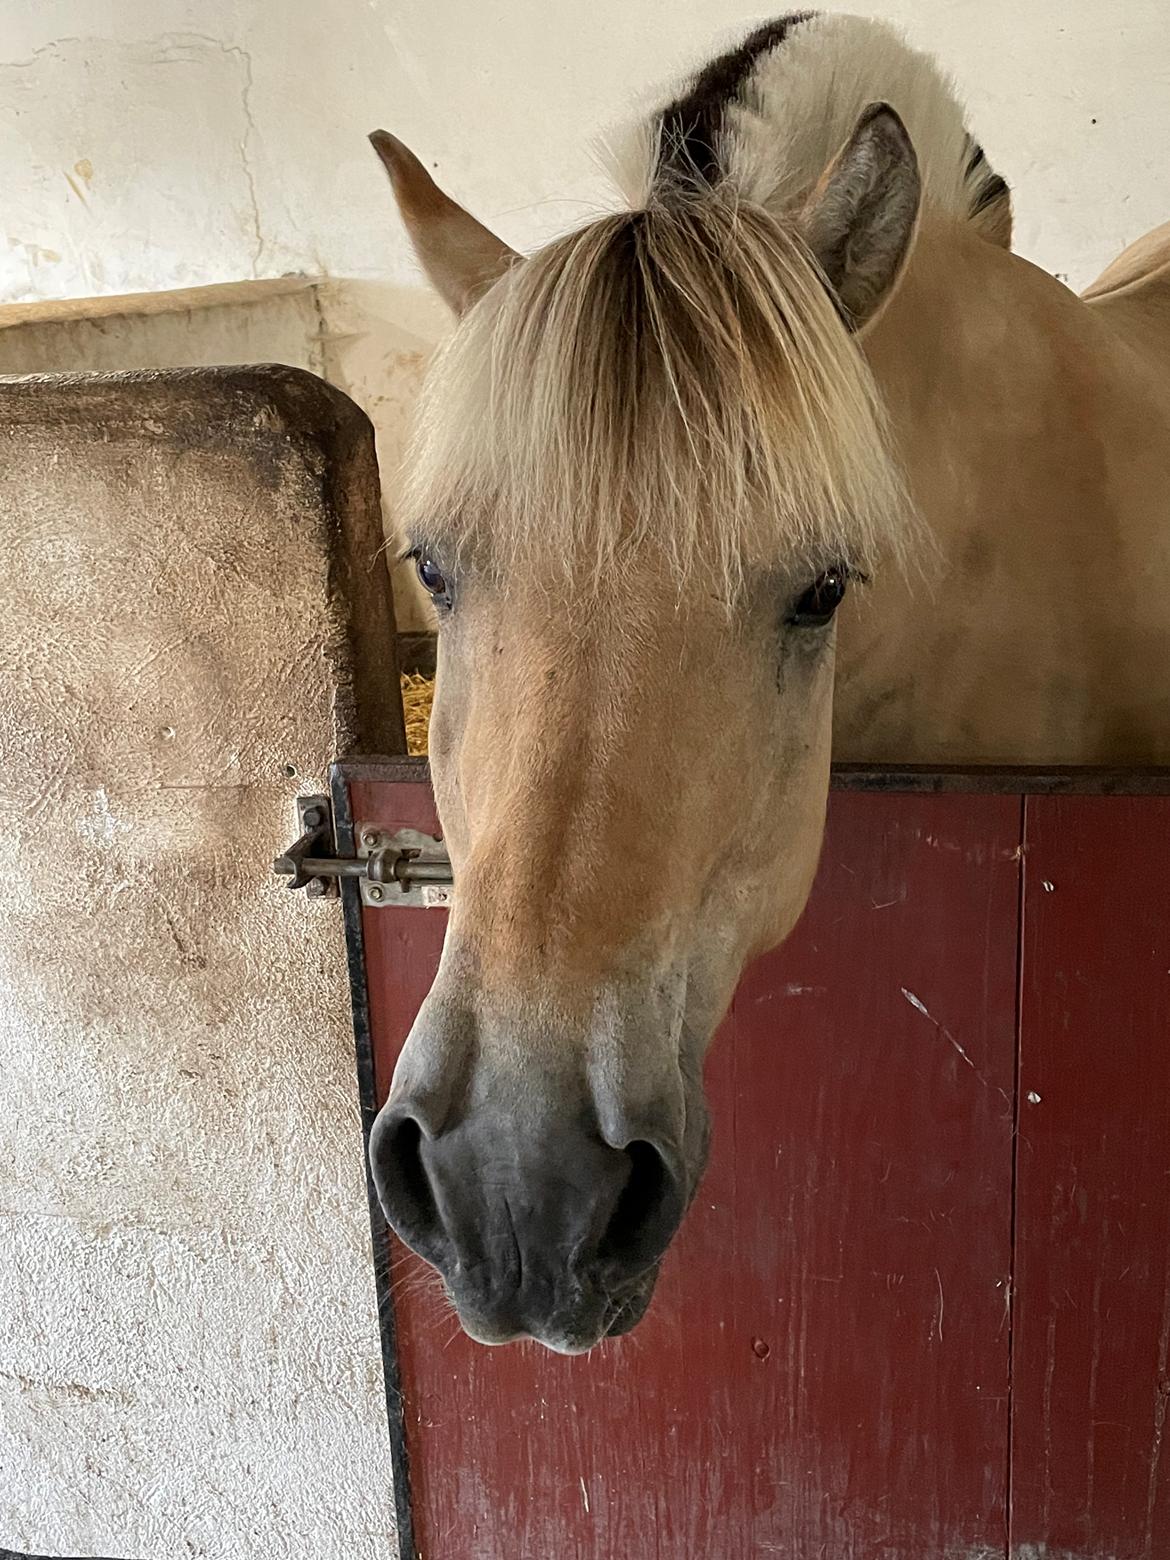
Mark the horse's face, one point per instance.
(631, 767)
(628, 818)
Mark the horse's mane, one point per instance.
(676, 377)
(767, 118)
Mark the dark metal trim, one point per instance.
(401, 769)
(1003, 779)
(351, 904)
(995, 779)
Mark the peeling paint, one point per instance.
(75, 187)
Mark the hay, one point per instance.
(417, 694)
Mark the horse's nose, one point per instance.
(540, 1227)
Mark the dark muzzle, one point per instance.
(540, 1227)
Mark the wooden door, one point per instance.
(840, 1361)
(1091, 1374)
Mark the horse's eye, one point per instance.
(432, 578)
(815, 608)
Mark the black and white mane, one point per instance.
(769, 114)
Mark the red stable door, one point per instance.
(841, 1355)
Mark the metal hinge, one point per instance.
(400, 870)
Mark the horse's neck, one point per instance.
(1037, 448)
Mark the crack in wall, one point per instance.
(319, 353)
(237, 51)
(250, 177)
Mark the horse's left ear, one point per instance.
(461, 256)
(859, 219)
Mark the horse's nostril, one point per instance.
(405, 1160)
(647, 1212)
(404, 1188)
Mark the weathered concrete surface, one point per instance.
(347, 332)
(193, 621)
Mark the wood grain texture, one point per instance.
(1091, 1472)
(824, 1371)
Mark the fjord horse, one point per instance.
(790, 455)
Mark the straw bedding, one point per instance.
(417, 694)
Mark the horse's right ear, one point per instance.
(859, 219)
(461, 257)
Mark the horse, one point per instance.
(789, 457)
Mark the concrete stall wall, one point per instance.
(191, 142)
(337, 330)
(192, 626)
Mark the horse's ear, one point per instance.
(859, 219)
(461, 257)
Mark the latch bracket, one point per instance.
(407, 869)
(401, 869)
(315, 844)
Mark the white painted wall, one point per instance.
(188, 141)
(189, 1362)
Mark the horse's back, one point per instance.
(1146, 261)
(1132, 295)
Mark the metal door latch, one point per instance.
(405, 869)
